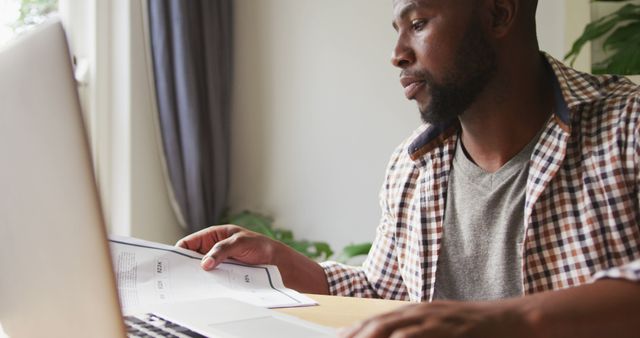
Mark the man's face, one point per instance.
(445, 58)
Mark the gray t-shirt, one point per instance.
(481, 253)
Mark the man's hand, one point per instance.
(444, 319)
(606, 308)
(217, 243)
(220, 242)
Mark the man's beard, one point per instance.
(473, 67)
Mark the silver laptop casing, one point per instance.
(55, 270)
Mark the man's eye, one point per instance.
(417, 25)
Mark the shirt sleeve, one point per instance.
(631, 270)
(379, 276)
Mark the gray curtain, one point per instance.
(191, 43)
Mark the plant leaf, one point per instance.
(323, 249)
(254, 222)
(623, 36)
(353, 250)
(301, 246)
(598, 28)
(625, 61)
(283, 235)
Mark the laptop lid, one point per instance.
(55, 270)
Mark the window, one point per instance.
(17, 16)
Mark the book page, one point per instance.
(149, 273)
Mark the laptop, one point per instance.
(56, 277)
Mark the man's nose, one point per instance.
(402, 55)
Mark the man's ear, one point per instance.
(503, 16)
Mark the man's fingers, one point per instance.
(203, 240)
(417, 331)
(191, 242)
(208, 263)
(385, 327)
(382, 325)
(182, 243)
(220, 252)
(350, 331)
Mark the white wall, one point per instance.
(552, 13)
(318, 109)
(560, 22)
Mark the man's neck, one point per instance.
(508, 114)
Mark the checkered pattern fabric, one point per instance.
(582, 208)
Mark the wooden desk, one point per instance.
(336, 311)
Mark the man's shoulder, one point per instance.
(596, 98)
(579, 88)
(618, 99)
(614, 89)
(606, 126)
(618, 102)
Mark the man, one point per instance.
(513, 212)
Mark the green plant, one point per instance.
(33, 12)
(623, 43)
(353, 250)
(315, 250)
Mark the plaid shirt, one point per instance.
(581, 207)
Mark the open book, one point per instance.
(151, 273)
